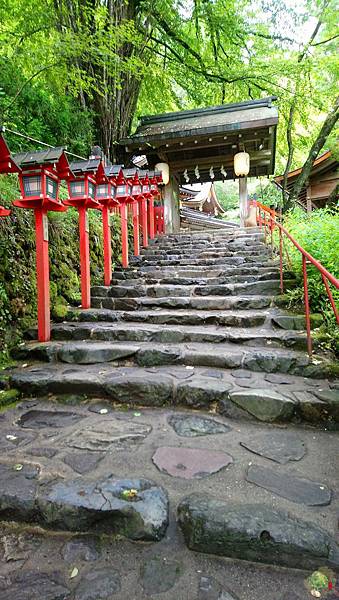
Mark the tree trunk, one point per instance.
(324, 132)
(114, 103)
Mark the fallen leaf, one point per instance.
(11, 437)
(18, 467)
(25, 365)
(315, 593)
(103, 411)
(137, 414)
(74, 573)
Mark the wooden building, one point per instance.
(321, 185)
(199, 146)
(204, 200)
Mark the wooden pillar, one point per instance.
(308, 198)
(42, 269)
(243, 200)
(171, 206)
(84, 258)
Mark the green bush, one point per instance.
(18, 300)
(317, 233)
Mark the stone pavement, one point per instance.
(171, 430)
(59, 470)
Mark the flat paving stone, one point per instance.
(42, 451)
(295, 489)
(277, 378)
(32, 585)
(83, 462)
(211, 589)
(36, 419)
(160, 574)
(13, 438)
(106, 434)
(101, 584)
(280, 446)
(241, 374)
(80, 548)
(190, 463)
(193, 426)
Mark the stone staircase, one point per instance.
(189, 303)
(184, 387)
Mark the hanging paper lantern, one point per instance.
(164, 168)
(241, 164)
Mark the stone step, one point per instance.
(250, 335)
(238, 318)
(177, 280)
(225, 260)
(205, 272)
(207, 252)
(135, 290)
(193, 302)
(175, 317)
(226, 355)
(236, 393)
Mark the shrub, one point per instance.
(316, 232)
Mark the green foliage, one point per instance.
(268, 194)
(227, 194)
(316, 232)
(18, 303)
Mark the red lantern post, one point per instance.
(123, 195)
(39, 180)
(105, 194)
(81, 189)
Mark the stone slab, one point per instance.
(31, 585)
(210, 589)
(190, 463)
(295, 489)
(266, 405)
(83, 462)
(279, 446)
(38, 419)
(254, 532)
(98, 584)
(160, 574)
(105, 506)
(193, 426)
(80, 548)
(109, 433)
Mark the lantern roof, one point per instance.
(209, 137)
(55, 157)
(113, 170)
(7, 163)
(81, 167)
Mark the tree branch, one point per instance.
(20, 90)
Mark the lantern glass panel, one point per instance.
(145, 189)
(154, 187)
(130, 189)
(51, 188)
(32, 185)
(77, 189)
(121, 190)
(102, 190)
(91, 189)
(136, 190)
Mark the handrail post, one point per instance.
(271, 225)
(330, 297)
(281, 261)
(307, 307)
(265, 232)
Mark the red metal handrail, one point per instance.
(307, 258)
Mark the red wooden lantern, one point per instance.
(106, 195)
(123, 194)
(39, 180)
(7, 165)
(82, 195)
(148, 179)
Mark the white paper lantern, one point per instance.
(164, 168)
(241, 164)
